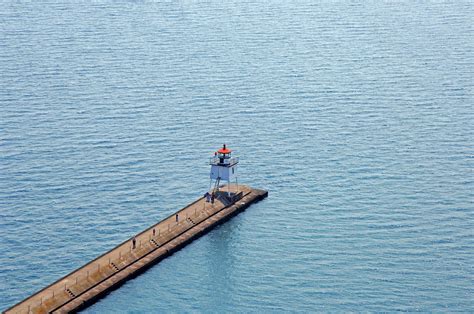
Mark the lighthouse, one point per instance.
(223, 168)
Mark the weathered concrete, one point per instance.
(85, 285)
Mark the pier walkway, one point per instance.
(88, 283)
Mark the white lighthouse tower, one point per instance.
(223, 168)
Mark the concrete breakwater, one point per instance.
(92, 281)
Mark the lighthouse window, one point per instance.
(232, 170)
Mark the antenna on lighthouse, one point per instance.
(223, 168)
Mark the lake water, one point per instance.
(357, 117)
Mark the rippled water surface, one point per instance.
(357, 117)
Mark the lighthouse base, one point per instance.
(228, 198)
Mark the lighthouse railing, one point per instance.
(215, 161)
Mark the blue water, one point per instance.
(357, 117)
